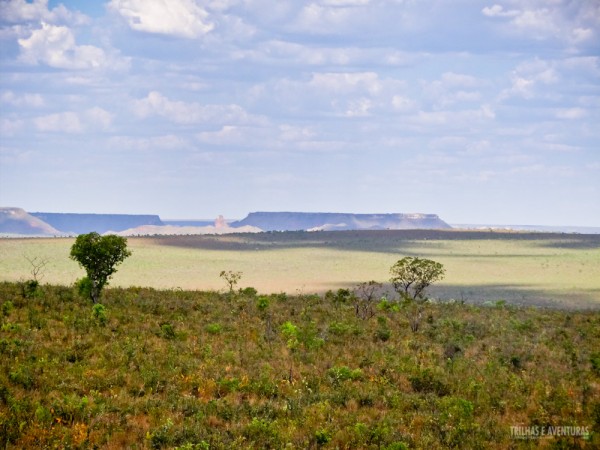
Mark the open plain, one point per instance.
(544, 269)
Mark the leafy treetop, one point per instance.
(99, 256)
(411, 276)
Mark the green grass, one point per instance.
(522, 268)
(156, 369)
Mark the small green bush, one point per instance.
(99, 314)
(262, 303)
(30, 289)
(595, 361)
(322, 437)
(214, 328)
(167, 330)
(343, 373)
(7, 308)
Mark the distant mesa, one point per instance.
(292, 221)
(220, 227)
(73, 223)
(17, 221)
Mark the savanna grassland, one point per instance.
(207, 370)
(521, 268)
(289, 358)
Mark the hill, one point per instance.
(101, 223)
(294, 221)
(18, 221)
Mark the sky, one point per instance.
(478, 111)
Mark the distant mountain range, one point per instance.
(16, 221)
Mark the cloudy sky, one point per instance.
(481, 112)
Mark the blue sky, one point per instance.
(481, 112)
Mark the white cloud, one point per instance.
(576, 23)
(156, 104)
(330, 17)
(498, 11)
(528, 76)
(181, 18)
(93, 119)
(66, 122)
(99, 118)
(571, 113)
(20, 11)
(55, 46)
(450, 89)
(10, 127)
(345, 2)
(22, 99)
(402, 104)
(347, 82)
(164, 142)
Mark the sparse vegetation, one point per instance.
(195, 370)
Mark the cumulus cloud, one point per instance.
(71, 122)
(21, 11)
(347, 82)
(180, 18)
(156, 104)
(163, 142)
(499, 11)
(66, 122)
(55, 46)
(452, 88)
(526, 78)
(22, 99)
(576, 23)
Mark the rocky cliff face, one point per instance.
(100, 223)
(284, 221)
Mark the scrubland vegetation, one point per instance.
(153, 369)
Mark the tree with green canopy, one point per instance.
(99, 256)
(411, 276)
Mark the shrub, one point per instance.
(383, 333)
(249, 292)
(290, 333)
(99, 314)
(262, 432)
(262, 303)
(426, 382)
(167, 330)
(214, 328)
(322, 437)
(7, 308)
(343, 373)
(595, 361)
(30, 289)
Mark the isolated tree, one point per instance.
(231, 278)
(99, 256)
(30, 288)
(411, 276)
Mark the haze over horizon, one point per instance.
(480, 112)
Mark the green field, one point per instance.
(523, 268)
